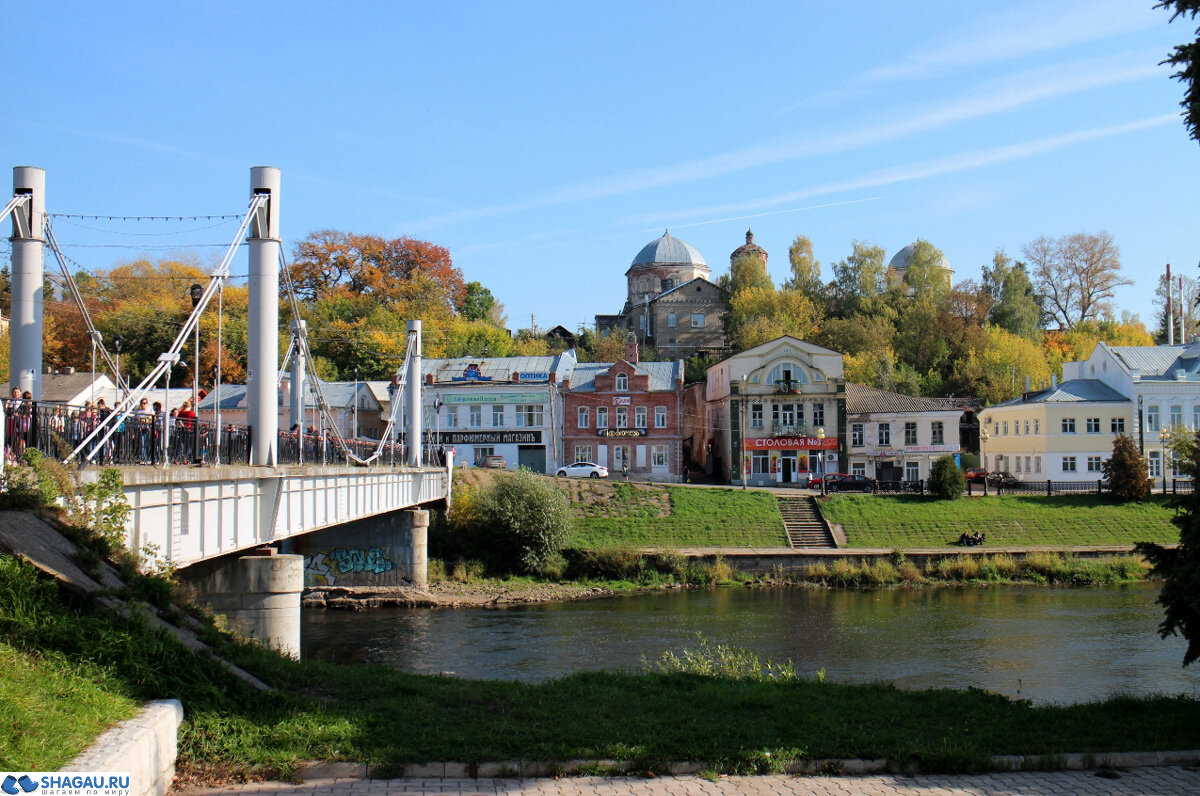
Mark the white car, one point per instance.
(582, 470)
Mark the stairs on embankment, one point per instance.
(803, 523)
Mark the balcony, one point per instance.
(787, 386)
(788, 429)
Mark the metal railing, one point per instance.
(56, 429)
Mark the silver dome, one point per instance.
(666, 249)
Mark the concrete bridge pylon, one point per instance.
(28, 269)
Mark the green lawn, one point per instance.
(1065, 520)
(671, 516)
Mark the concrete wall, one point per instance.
(145, 746)
(386, 550)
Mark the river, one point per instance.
(1044, 644)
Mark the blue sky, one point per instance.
(545, 143)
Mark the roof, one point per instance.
(861, 399)
(748, 249)
(663, 375)
(666, 250)
(233, 396)
(498, 369)
(903, 258)
(1073, 391)
(64, 387)
(337, 394)
(1167, 362)
(681, 287)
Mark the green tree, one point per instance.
(806, 272)
(1180, 567)
(1127, 472)
(859, 282)
(925, 273)
(1016, 307)
(748, 272)
(1186, 58)
(521, 522)
(946, 481)
(478, 302)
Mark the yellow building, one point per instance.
(1064, 433)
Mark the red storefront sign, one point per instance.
(790, 443)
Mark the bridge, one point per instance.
(240, 510)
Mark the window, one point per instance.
(583, 453)
(1117, 425)
(996, 429)
(1027, 465)
(639, 417)
(583, 421)
(1037, 464)
(476, 416)
(641, 321)
(622, 382)
(1095, 464)
(1093, 425)
(671, 319)
(481, 454)
(1017, 427)
(620, 456)
(856, 435)
(451, 417)
(697, 320)
(1068, 464)
(660, 417)
(1027, 428)
(759, 463)
(1176, 416)
(858, 468)
(529, 415)
(788, 372)
(1152, 421)
(912, 471)
(787, 414)
(937, 433)
(756, 416)
(622, 417)
(1006, 428)
(497, 415)
(1155, 464)
(910, 435)
(885, 434)
(1018, 464)
(1037, 427)
(1196, 417)
(818, 414)
(601, 417)
(1068, 425)
(658, 456)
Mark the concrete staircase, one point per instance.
(804, 524)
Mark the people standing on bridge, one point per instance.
(144, 423)
(186, 423)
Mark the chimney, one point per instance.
(47, 370)
(516, 377)
(631, 350)
(1053, 380)
(429, 378)
(68, 370)
(553, 377)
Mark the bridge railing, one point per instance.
(55, 429)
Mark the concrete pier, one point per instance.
(259, 595)
(387, 550)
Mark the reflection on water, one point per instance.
(1049, 645)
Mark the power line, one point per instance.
(102, 217)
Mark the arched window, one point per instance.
(790, 372)
(623, 382)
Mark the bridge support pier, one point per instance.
(259, 595)
(388, 550)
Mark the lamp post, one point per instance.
(356, 401)
(197, 292)
(117, 343)
(1164, 436)
(983, 437)
(743, 464)
(821, 457)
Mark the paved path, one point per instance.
(1150, 781)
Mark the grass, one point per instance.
(634, 516)
(1037, 567)
(909, 521)
(388, 718)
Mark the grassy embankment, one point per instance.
(93, 665)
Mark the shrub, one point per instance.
(520, 521)
(946, 481)
(962, 567)
(1127, 472)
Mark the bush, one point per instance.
(1127, 472)
(946, 481)
(520, 522)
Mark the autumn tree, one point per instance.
(1127, 472)
(806, 272)
(1077, 275)
(1015, 305)
(748, 272)
(859, 282)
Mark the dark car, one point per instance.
(814, 481)
(849, 483)
(1002, 478)
(976, 475)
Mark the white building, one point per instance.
(894, 437)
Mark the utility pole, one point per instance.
(1170, 308)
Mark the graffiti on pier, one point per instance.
(323, 568)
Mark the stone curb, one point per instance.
(145, 746)
(524, 769)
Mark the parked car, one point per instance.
(814, 481)
(583, 470)
(1002, 478)
(495, 463)
(975, 475)
(849, 483)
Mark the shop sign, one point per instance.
(471, 373)
(491, 437)
(790, 443)
(495, 398)
(931, 449)
(621, 432)
(532, 376)
(621, 400)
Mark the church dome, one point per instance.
(668, 251)
(748, 249)
(903, 258)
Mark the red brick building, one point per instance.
(626, 412)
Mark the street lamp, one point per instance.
(197, 292)
(117, 343)
(743, 463)
(983, 437)
(821, 457)
(356, 401)
(1164, 436)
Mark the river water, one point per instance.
(1045, 644)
